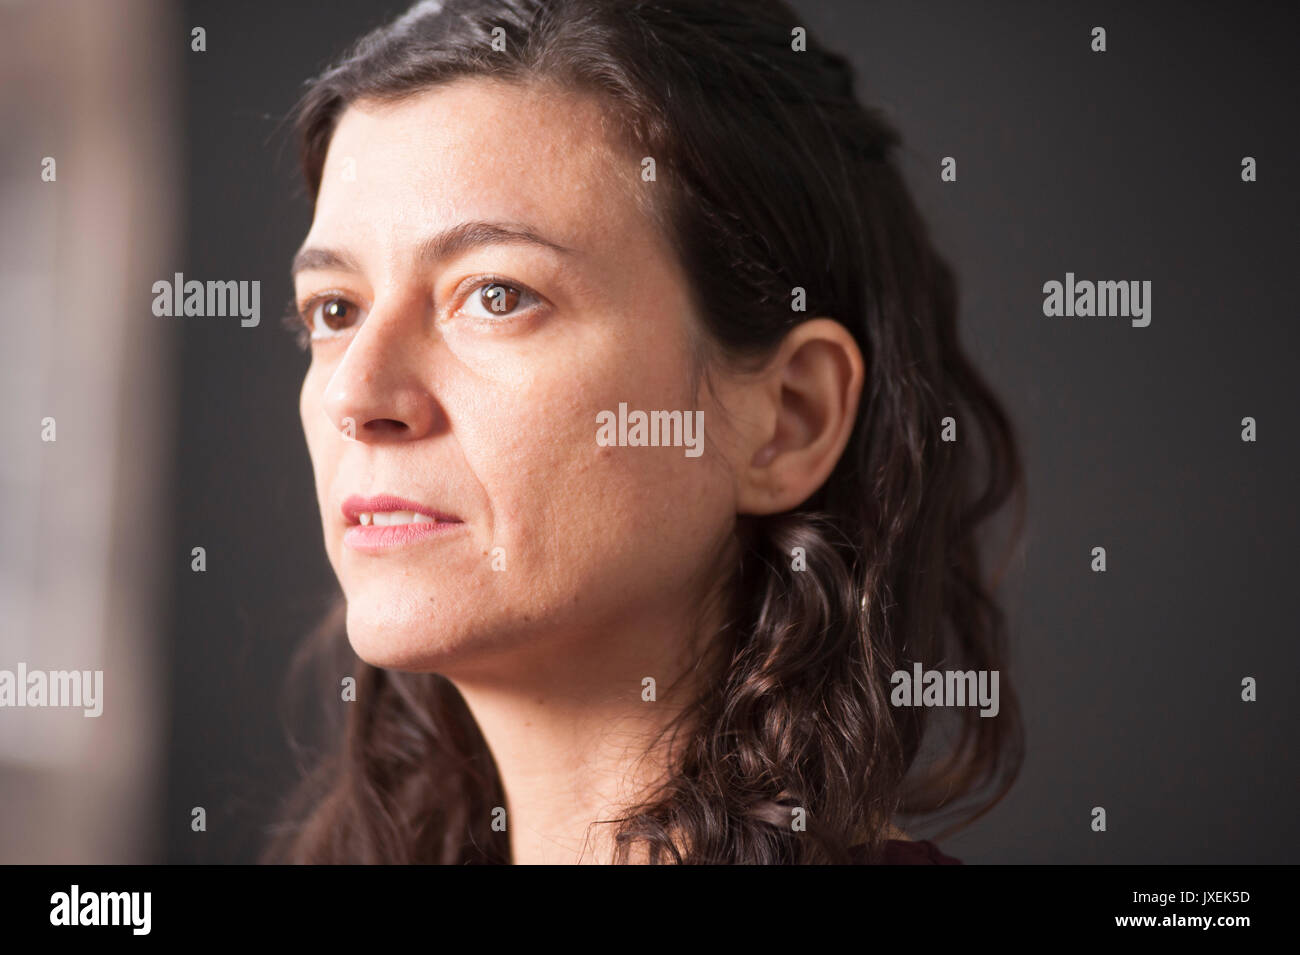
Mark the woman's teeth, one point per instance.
(389, 518)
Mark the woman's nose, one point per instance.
(381, 390)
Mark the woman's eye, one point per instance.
(498, 300)
(326, 317)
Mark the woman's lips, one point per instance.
(372, 539)
(385, 521)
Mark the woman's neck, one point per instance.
(577, 736)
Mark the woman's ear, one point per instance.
(808, 397)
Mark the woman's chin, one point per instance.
(419, 645)
(398, 644)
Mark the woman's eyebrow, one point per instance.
(309, 258)
(442, 245)
(468, 235)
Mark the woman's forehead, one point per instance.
(482, 149)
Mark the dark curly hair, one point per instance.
(777, 178)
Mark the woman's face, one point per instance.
(479, 401)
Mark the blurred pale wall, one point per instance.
(89, 84)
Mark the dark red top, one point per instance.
(906, 852)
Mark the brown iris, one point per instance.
(336, 313)
(499, 298)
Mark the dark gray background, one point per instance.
(1122, 165)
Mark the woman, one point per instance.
(646, 453)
